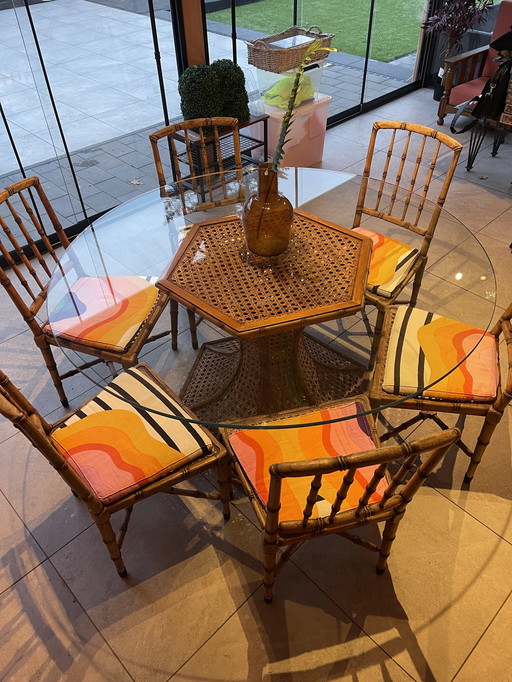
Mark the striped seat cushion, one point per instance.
(424, 346)
(117, 447)
(103, 311)
(391, 261)
(257, 450)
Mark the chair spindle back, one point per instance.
(209, 149)
(25, 239)
(393, 500)
(404, 184)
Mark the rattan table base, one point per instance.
(232, 379)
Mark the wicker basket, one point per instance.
(279, 60)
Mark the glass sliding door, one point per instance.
(80, 91)
(394, 46)
(377, 42)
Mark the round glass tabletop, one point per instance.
(300, 347)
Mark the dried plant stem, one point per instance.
(287, 119)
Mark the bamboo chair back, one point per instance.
(393, 502)
(23, 240)
(404, 468)
(412, 161)
(202, 146)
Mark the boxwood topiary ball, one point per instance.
(215, 90)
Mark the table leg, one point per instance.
(232, 379)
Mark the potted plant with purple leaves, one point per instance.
(451, 21)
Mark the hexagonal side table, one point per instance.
(266, 304)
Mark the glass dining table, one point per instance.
(293, 330)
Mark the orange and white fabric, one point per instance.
(424, 347)
(391, 261)
(257, 450)
(116, 446)
(104, 311)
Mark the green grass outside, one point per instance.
(395, 30)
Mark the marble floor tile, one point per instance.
(47, 635)
(491, 656)
(188, 572)
(427, 626)
(301, 637)
(19, 552)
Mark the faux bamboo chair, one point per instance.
(415, 343)
(112, 453)
(411, 163)
(202, 146)
(466, 74)
(31, 228)
(294, 481)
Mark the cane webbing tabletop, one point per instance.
(321, 276)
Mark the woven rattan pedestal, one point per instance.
(266, 304)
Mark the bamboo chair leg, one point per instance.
(174, 324)
(112, 368)
(193, 327)
(388, 537)
(417, 285)
(377, 333)
(269, 566)
(52, 368)
(109, 538)
(492, 418)
(224, 480)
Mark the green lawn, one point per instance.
(395, 33)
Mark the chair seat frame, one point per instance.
(390, 510)
(427, 408)
(33, 285)
(15, 407)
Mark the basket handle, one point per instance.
(310, 29)
(260, 43)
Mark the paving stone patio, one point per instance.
(100, 63)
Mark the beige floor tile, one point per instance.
(301, 637)
(489, 171)
(39, 495)
(12, 323)
(358, 129)
(492, 657)
(500, 228)
(330, 330)
(475, 206)
(18, 550)
(468, 266)
(188, 572)
(446, 297)
(501, 259)
(489, 497)
(447, 577)
(411, 110)
(341, 153)
(46, 635)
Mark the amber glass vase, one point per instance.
(267, 216)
